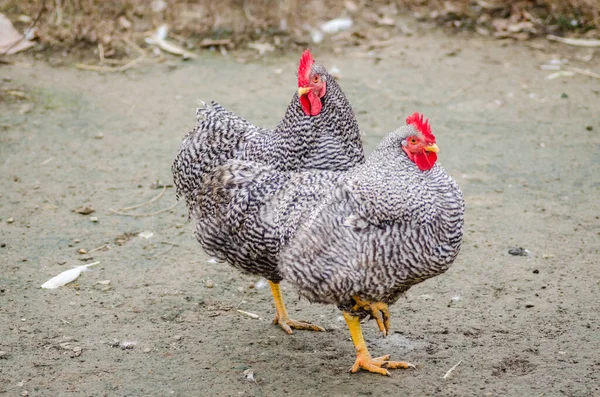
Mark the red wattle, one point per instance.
(425, 160)
(315, 104)
(311, 104)
(305, 103)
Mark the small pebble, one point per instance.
(177, 337)
(589, 127)
(93, 219)
(210, 283)
(82, 251)
(252, 286)
(240, 289)
(77, 240)
(99, 135)
(536, 271)
(10, 220)
(547, 256)
(24, 393)
(529, 305)
(146, 350)
(518, 251)
(77, 351)
(3, 354)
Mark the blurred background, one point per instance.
(86, 27)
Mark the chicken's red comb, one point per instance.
(306, 61)
(421, 124)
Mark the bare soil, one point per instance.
(524, 149)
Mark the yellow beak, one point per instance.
(303, 90)
(432, 148)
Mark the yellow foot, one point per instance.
(378, 365)
(287, 324)
(282, 319)
(378, 310)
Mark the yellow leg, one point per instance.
(378, 310)
(281, 317)
(363, 357)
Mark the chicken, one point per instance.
(358, 239)
(319, 131)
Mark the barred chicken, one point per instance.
(319, 131)
(358, 239)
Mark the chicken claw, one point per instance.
(378, 365)
(281, 317)
(287, 324)
(363, 357)
(378, 310)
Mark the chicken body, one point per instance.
(329, 140)
(357, 239)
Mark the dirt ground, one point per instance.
(524, 149)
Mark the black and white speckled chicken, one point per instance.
(318, 131)
(357, 239)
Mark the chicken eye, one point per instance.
(413, 141)
(316, 79)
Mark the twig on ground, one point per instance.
(214, 43)
(104, 60)
(460, 91)
(109, 68)
(585, 72)
(575, 42)
(133, 45)
(452, 369)
(132, 207)
(98, 248)
(248, 314)
(163, 252)
(142, 215)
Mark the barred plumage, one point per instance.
(329, 140)
(373, 231)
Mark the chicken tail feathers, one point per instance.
(218, 136)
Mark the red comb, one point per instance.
(306, 61)
(421, 124)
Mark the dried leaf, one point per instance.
(84, 210)
(11, 41)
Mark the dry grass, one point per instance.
(83, 24)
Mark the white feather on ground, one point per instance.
(66, 277)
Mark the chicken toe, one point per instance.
(378, 310)
(363, 357)
(281, 317)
